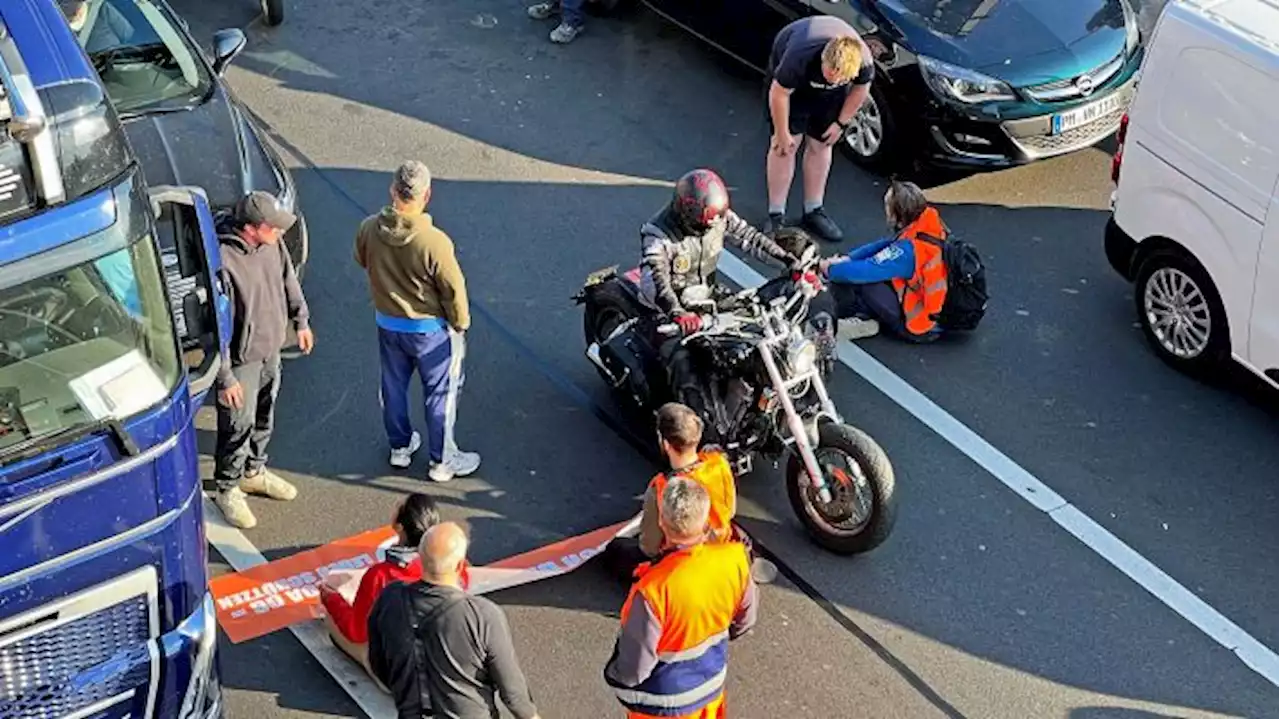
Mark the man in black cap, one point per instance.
(265, 299)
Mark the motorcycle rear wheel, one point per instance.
(863, 509)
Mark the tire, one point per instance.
(607, 307)
(1170, 270)
(272, 12)
(877, 473)
(298, 244)
(886, 154)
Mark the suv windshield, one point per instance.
(85, 335)
(143, 58)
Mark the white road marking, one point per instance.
(1256, 655)
(241, 555)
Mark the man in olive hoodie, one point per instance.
(420, 299)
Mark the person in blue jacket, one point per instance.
(869, 286)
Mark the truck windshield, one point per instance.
(143, 59)
(85, 335)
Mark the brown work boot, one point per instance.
(266, 483)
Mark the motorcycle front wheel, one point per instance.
(862, 509)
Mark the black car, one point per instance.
(970, 83)
(182, 120)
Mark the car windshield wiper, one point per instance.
(35, 445)
(163, 110)
(106, 58)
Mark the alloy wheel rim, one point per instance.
(1177, 312)
(866, 132)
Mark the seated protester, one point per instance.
(900, 281)
(348, 623)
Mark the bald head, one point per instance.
(443, 549)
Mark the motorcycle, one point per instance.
(763, 382)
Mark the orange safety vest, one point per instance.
(713, 473)
(694, 594)
(922, 296)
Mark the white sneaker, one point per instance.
(457, 464)
(403, 457)
(235, 508)
(856, 328)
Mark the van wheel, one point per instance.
(1180, 312)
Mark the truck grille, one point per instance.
(81, 664)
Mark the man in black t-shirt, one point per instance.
(820, 73)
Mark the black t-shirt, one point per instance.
(796, 60)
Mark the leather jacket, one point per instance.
(673, 258)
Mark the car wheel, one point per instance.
(273, 11)
(1180, 312)
(872, 137)
(297, 241)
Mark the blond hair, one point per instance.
(842, 56)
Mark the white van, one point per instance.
(1193, 222)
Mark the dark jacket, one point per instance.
(265, 298)
(465, 642)
(673, 259)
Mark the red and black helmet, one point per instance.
(700, 199)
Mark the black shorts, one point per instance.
(810, 115)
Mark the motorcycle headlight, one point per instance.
(962, 84)
(802, 355)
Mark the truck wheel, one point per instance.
(273, 12)
(1180, 312)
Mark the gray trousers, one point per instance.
(243, 433)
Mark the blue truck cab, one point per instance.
(112, 325)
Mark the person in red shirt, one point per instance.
(348, 623)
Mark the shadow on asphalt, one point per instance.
(449, 106)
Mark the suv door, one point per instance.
(192, 267)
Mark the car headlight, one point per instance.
(1132, 36)
(963, 84)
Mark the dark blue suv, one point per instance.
(112, 325)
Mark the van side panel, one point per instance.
(1264, 327)
(1200, 158)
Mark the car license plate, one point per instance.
(1066, 121)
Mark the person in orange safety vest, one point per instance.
(671, 655)
(900, 281)
(679, 434)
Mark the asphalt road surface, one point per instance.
(546, 160)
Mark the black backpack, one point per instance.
(966, 301)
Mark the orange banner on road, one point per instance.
(274, 595)
(278, 594)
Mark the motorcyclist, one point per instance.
(681, 246)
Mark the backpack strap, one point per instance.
(417, 619)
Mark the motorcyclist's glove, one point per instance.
(689, 322)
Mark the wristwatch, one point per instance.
(844, 126)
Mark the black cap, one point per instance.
(262, 208)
